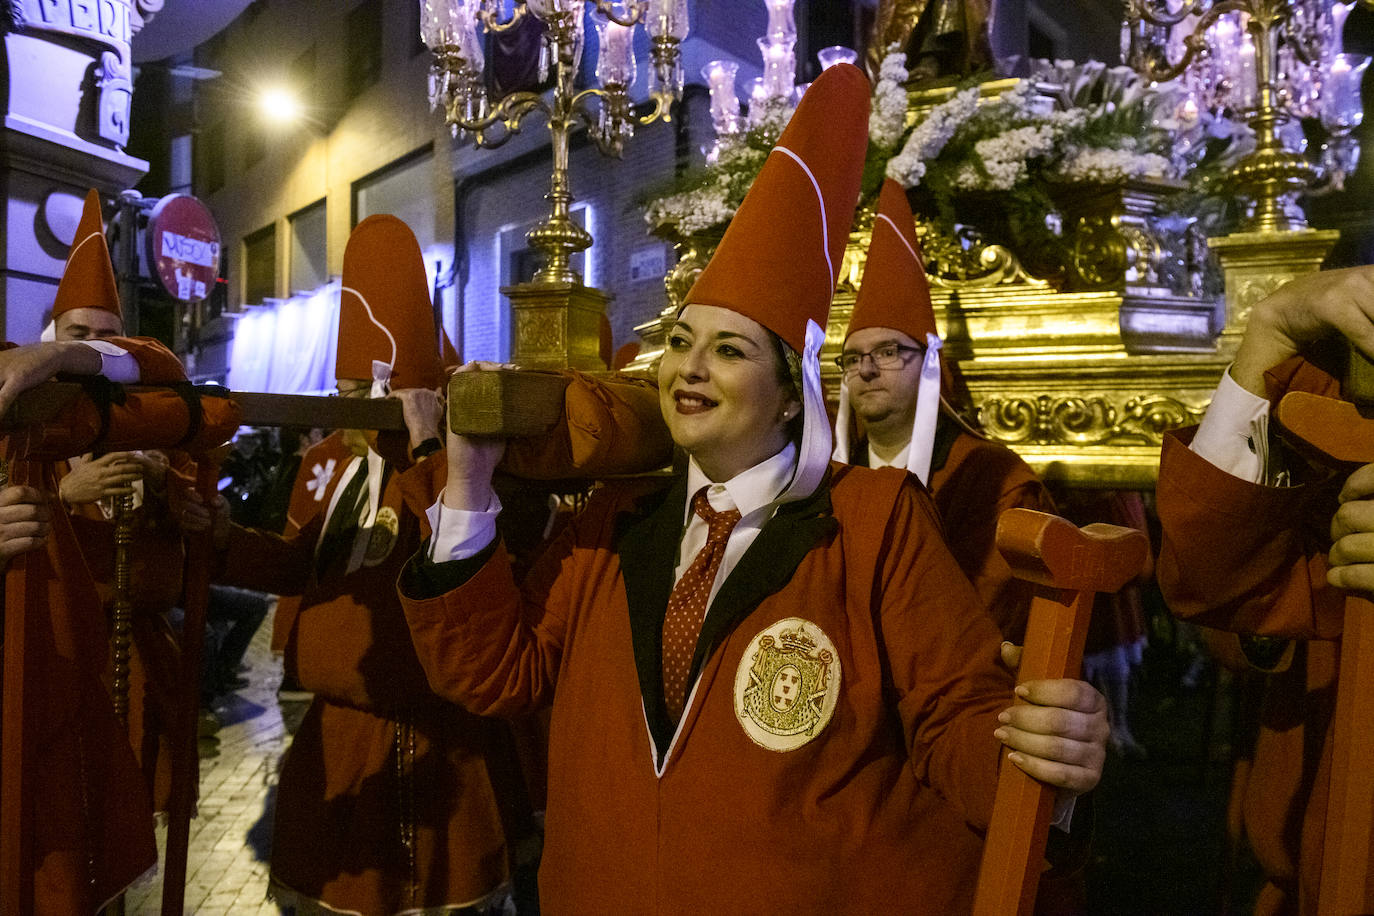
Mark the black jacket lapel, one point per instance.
(647, 542)
(766, 567)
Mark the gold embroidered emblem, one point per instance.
(787, 687)
(382, 537)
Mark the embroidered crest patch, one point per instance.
(382, 537)
(320, 481)
(787, 685)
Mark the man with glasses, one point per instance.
(891, 383)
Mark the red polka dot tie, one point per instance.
(687, 604)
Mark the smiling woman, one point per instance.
(718, 387)
(813, 676)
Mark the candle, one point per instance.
(1338, 13)
(779, 67)
(720, 80)
(781, 25)
(836, 54)
(1342, 107)
(666, 18)
(616, 63)
(1247, 89)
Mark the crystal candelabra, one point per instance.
(453, 30)
(775, 92)
(1272, 64)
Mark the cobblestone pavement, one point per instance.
(226, 870)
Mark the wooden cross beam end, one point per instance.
(1050, 551)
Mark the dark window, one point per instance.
(523, 264)
(364, 46)
(209, 153)
(260, 265)
(1041, 44)
(308, 251)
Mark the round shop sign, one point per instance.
(183, 247)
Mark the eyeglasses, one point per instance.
(888, 356)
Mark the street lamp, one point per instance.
(279, 105)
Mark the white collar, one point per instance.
(899, 460)
(750, 490)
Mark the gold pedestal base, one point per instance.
(556, 325)
(1257, 263)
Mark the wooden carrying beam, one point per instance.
(1069, 566)
(510, 403)
(1337, 429)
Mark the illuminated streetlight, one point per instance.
(279, 105)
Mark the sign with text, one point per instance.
(183, 247)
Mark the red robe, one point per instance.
(390, 799)
(158, 556)
(643, 819)
(1251, 560)
(974, 480)
(91, 817)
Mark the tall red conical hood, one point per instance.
(894, 292)
(88, 280)
(384, 310)
(779, 260)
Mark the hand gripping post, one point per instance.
(1337, 429)
(1068, 566)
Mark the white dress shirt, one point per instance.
(460, 534)
(115, 362)
(1234, 433)
(898, 460)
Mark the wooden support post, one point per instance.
(1069, 566)
(23, 603)
(184, 737)
(1337, 429)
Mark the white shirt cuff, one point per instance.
(460, 533)
(115, 362)
(1063, 812)
(1234, 434)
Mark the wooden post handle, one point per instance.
(1337, 430)
(1069, 566)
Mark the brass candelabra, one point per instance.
(454, 34)
(1280, 36)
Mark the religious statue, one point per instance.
(941, 37)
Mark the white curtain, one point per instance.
(287, 347)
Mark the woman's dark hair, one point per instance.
(789, 367)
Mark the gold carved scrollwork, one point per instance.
(1250, 290)
(1091, 420)
(953, 267)
(693, 252)
(540, 330)
(1098, 251)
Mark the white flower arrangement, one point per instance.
(888, 115)
(929, 137)
(1004, 156)
(1068, 123)
(1108, 165)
